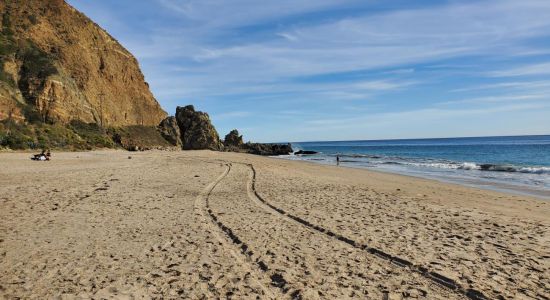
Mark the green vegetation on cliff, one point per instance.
(8, 47)
(77, 136)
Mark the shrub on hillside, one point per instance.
(15, 136)
(92, 134)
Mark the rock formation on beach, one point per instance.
(193, 130)
(197, 132)
(268, 149)
(56, 65)
(170, 131)
(233, 141)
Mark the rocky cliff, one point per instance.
(56, 65)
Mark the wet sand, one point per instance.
(207, 225)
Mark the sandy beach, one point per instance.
(209, 225)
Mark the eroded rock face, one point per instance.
(65, 67)
(233, 139)
(197, 132)
(170, 130)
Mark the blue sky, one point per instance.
(291, 70)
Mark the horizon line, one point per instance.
(437, 138)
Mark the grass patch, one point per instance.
(16, 136)
(138, 137)
(51, 136)
(78, 136)
(8, 48)
(94, 136)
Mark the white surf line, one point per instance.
(201, 206)
(440, 280)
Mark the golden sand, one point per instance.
(206, 225)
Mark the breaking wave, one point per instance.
(443, 164)
(475, 166)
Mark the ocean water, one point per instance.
(518, 164)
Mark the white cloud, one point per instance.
(426, 114)
(527, 70)
(288, 36)
(382, 85)
(231, 115)
(431, 123)
(401, 71)
(235, 13)
(500, 98)
(514, 85)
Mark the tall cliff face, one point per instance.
(56, 65)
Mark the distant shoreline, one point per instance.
(487, 186)
(516, 164)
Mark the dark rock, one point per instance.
(233, 139)
(233, 142)
(197, 132)
(268, 149)
(305, 152)
(170, 130)
(278, 280)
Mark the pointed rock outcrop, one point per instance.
(233, 139)
(197, 132)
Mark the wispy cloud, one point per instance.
(382, 85)
(288, 36)
(532, 69)
(232, 114)
(236, 13)
(465, 122)
(400, 71)
(427, 113)
(500, 98)
(514, 85)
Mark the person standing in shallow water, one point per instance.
(337, 160)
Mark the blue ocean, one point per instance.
(518, 164)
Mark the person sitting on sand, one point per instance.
(42, 156)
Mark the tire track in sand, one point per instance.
(440, 280)
(236, 247)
